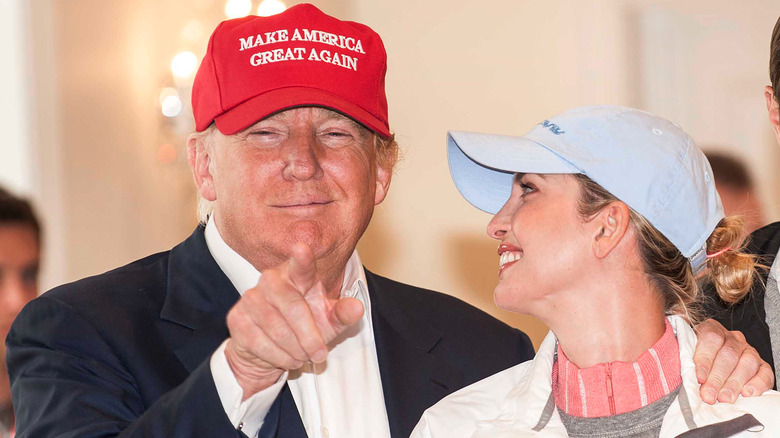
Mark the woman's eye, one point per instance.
(526, 188)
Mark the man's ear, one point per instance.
(199, 157)
(609, 227)
(383, 176)
(774, 111)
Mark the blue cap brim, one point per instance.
(483, 165)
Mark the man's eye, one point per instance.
(526, 188)
(264, 138)
(30, 276)
(336, 138)
(337, 134)
(262, 132)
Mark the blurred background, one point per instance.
(94, 110)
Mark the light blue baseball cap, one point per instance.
(644, 160)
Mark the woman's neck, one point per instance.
(617, 387)
(607, 323)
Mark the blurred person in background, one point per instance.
(20, 248)
(737, 191)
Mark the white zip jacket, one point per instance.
(518, 402)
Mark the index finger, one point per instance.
(711, 336)
(303, 268)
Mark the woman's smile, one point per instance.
(508, 255)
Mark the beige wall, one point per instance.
(498, 66)
(504, 65)
(495, 66)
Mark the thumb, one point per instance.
(346, 313)
(302, 269)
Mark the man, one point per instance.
(292, 152)
(142, 350)
(20, 248)
(758, 316)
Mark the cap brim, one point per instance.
(259, 107)
(482, 165)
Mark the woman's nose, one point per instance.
(499, 225)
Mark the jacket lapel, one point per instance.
(199, 296)
(413, 377)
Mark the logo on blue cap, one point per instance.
(555, 129)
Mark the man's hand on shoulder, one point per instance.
(284, 322)
(727, 366)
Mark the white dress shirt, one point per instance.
(341, 397)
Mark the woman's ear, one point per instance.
(610, 225)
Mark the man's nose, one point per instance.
(302, 155)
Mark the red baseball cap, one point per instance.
(257, 66)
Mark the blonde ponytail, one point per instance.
(730, 270)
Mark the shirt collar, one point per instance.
(527, 400)
(244, 276)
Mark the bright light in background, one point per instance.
(170, 102)
(171, 106)
(184, 64)
(238, 8)
(270, 7)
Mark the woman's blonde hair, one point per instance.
(731, 273)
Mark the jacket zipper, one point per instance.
(610, 395)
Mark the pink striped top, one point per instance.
(617, 387)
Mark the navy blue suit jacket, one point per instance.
(126, 353)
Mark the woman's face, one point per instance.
(543, 245)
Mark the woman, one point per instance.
(612, 215)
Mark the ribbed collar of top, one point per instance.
(244, 276)
(617, 387)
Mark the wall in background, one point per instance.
(502, 66)
(505, 65)
(15, 166)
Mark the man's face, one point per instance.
(303, 175)
(19, 259)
